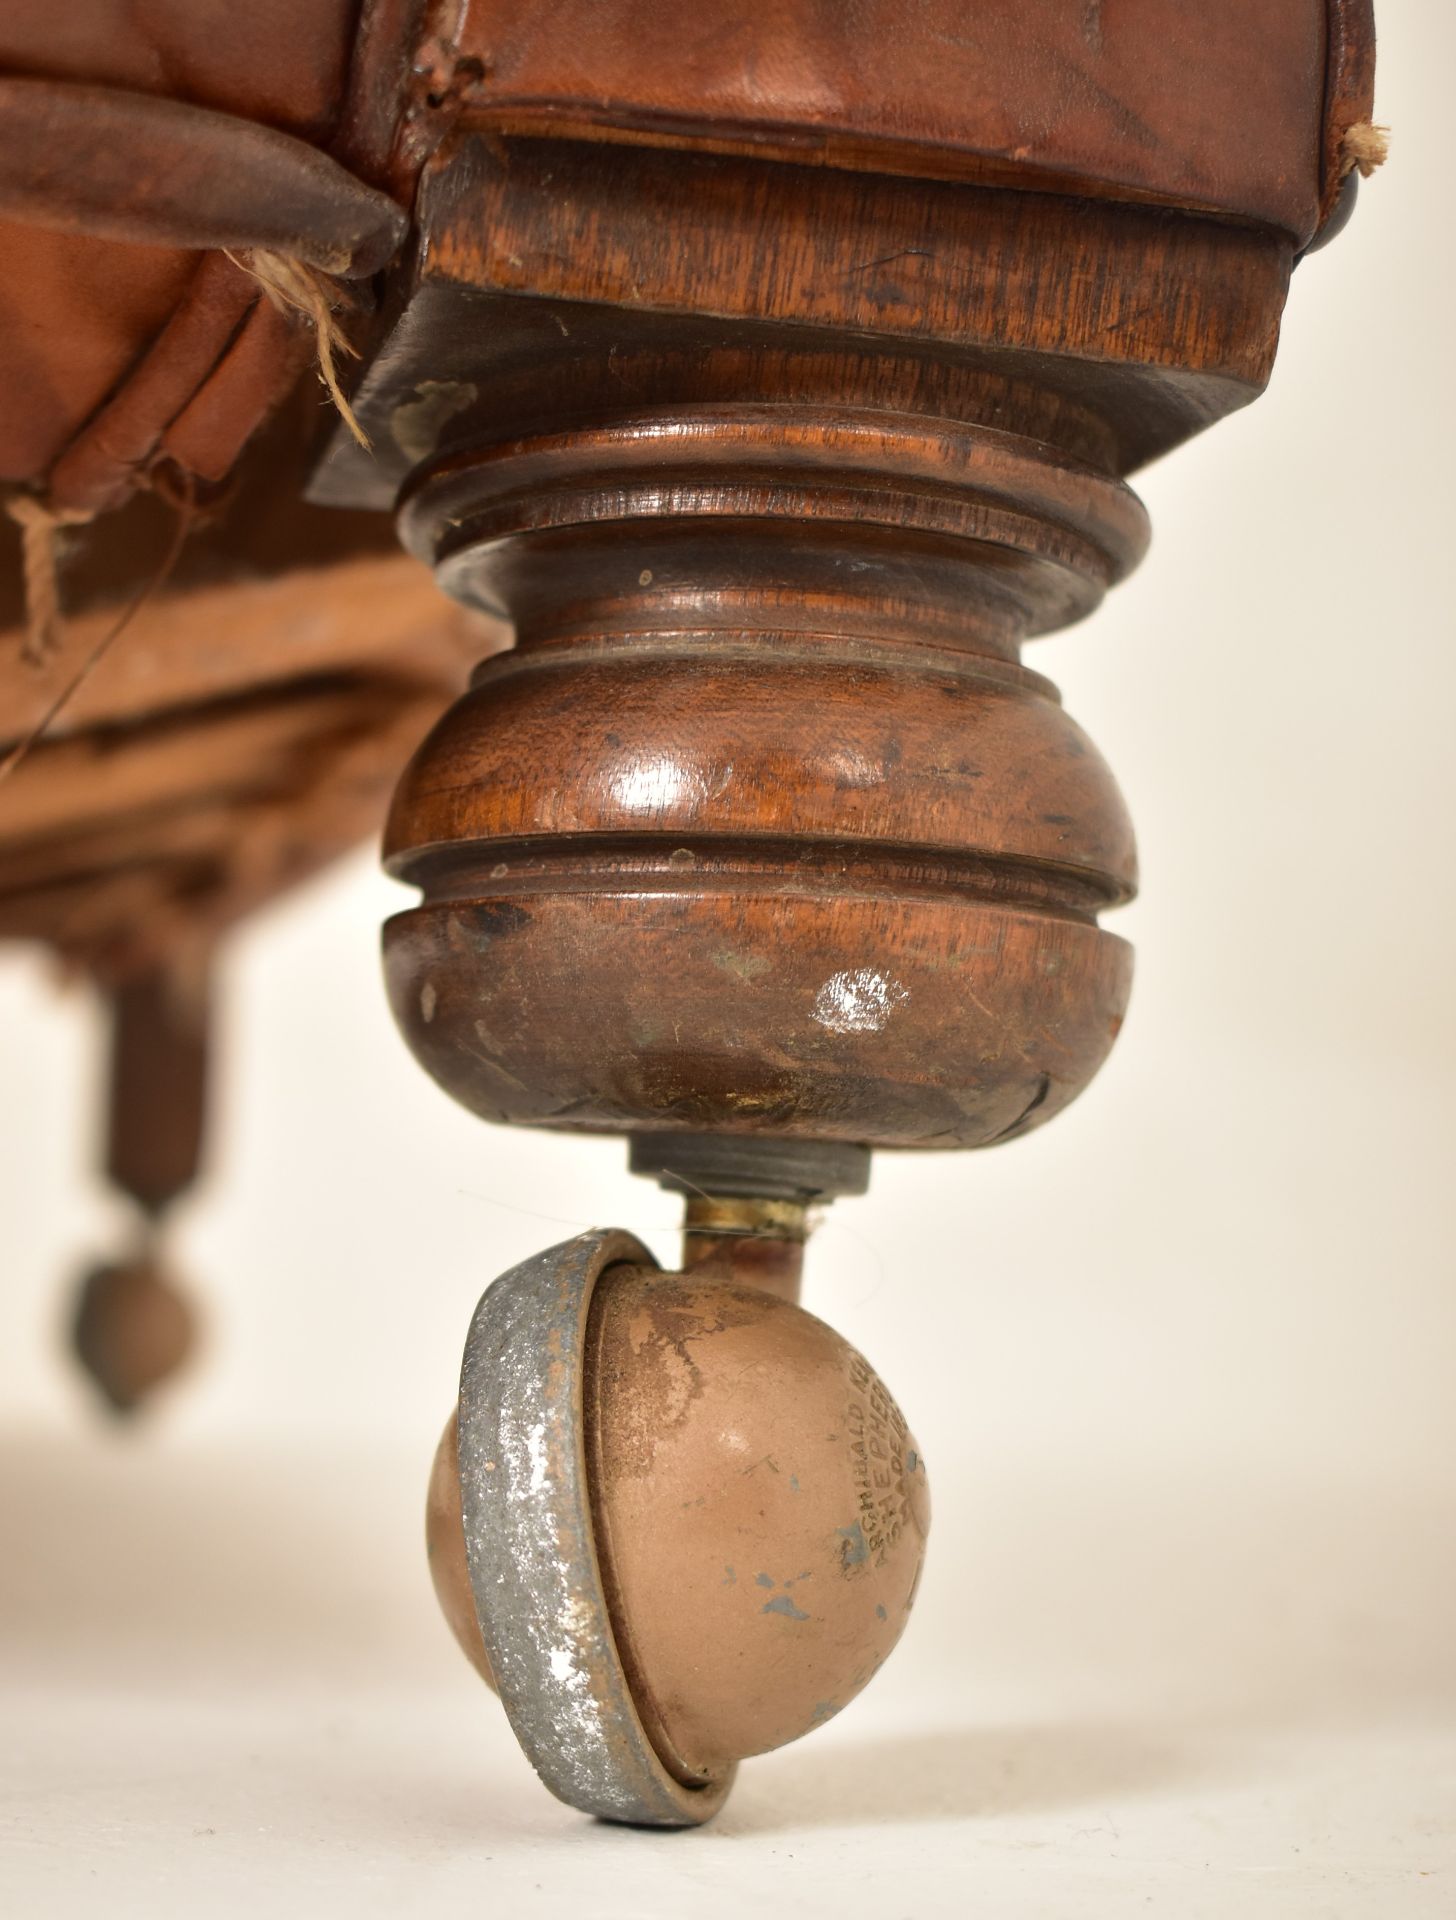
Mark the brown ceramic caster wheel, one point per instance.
(133, 1330)
(677, 1521)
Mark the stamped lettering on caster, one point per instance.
(879, 1446)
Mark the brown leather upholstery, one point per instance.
(283, 62)
(1212, 104)
(78, 315)
(114, 355)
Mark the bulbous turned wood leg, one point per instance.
(676, 1520)
(763, 846)
(133, 1327)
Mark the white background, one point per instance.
(1182, 1363)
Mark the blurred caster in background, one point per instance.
(132, 1330)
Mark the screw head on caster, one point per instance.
(677, 1522)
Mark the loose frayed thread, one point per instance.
(1365, 147)
(294, 287)
(40, 527)
(23, 748)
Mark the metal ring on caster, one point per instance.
(530, 1548)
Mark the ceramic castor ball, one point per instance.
(759, 1510)
(445, 1547)
(133, 1330)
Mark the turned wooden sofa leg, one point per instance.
(133, 1328)
(763, 846)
